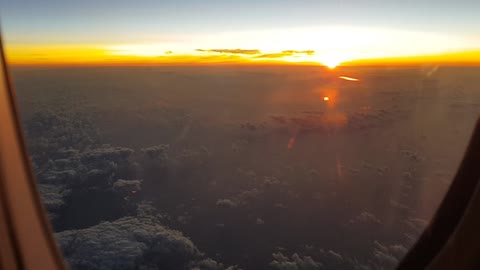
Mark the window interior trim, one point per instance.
(31, 244)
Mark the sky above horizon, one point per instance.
(328, 32)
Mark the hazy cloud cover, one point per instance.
(347, 121)
(231, 176)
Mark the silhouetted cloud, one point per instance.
(307, 52)
(231, 51)
(273, 55)
(258, 52)
(286, 53)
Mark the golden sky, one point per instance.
(329, 46)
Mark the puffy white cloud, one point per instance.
(417, 225)
(387, 257)
(53, 198)
(398, 250)
(226, 203)
(209, 264)
(366, 218)
(132, 243)
(295, 262)
(248, 195)
(116, 154)
(337, 256)
(384, 260)
(157, 152)
(271, 181)
(127, 185)
(412, 155)
(249, 174)
(59, 177)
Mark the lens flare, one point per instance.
(348, 78)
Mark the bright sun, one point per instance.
(331, 64)
(331, 61)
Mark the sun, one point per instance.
(331, 64)
(334, 59)
(331, 61)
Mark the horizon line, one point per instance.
(457, 58)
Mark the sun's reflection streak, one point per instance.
(293, 138)
(339, 167)
(330, 117)
(291, 142)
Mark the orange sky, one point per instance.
(462, 58)
(111, 55)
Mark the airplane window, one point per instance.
(220, 135)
